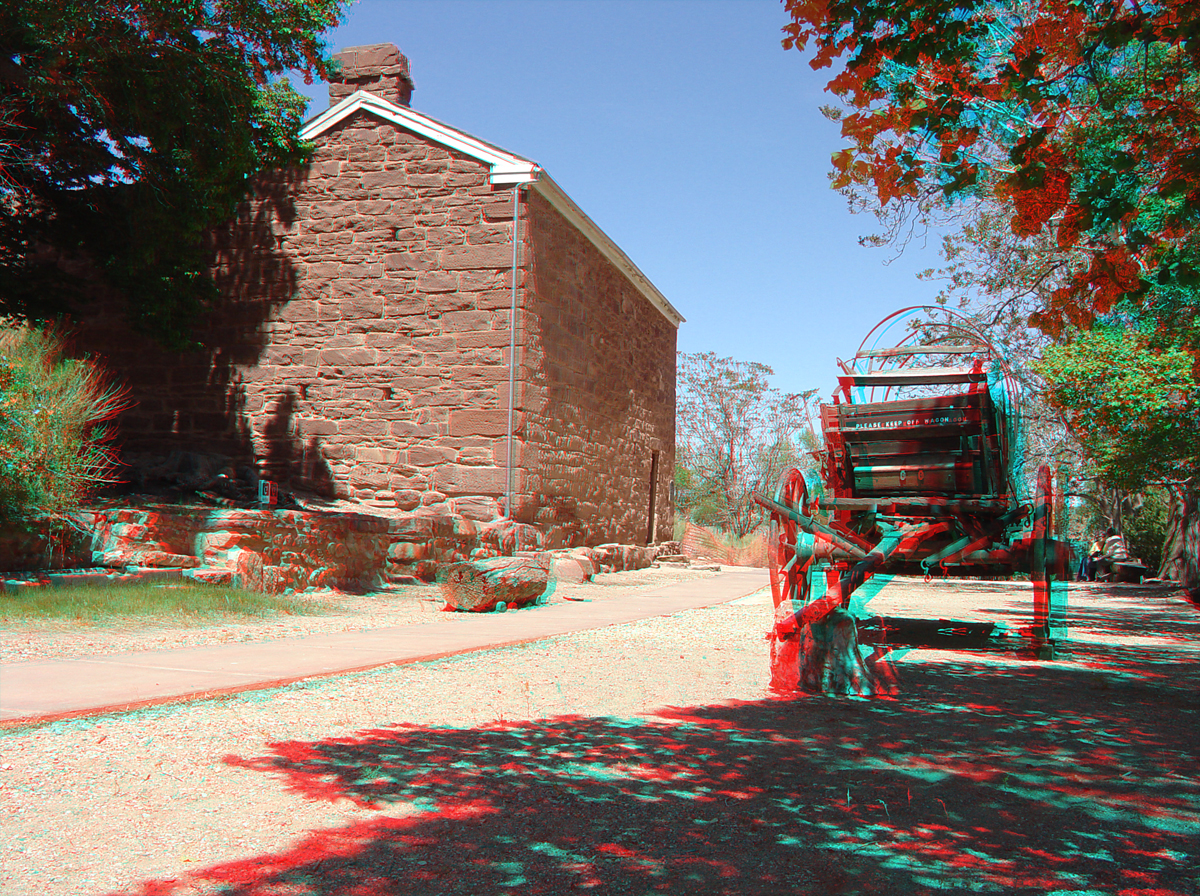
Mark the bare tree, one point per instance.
(734, 434)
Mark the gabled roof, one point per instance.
(506, 168)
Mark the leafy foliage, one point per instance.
(51, 438)
(1133, 400)
(1081, 116)
(734, 435)
(1146, 530)
(128, 128)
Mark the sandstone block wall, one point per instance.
(388, 360)
(360, 344)
(360, 348)
(599, 368)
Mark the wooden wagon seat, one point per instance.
(937, 446)
(914, 376)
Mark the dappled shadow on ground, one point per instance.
(1115, 610)
(1137, 610)
(983, 777)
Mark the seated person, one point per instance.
(1114, 552)
(1087, 572)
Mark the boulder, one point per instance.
(156, 559)
(478, 586)
(408, 551)
(115, 559)
(673, 559)
(483, 510)
(638, 556)
(247, 569)
(570, 570)
(588, 558)
(412, 527)
(609, 557)
(510, 537)
(279, 579)
(209, 575)
(624, 557)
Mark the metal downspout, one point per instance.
(512, 349)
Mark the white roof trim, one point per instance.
(554, 194)
(506, 169)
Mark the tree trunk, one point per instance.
(824, 658)
(1181, 553)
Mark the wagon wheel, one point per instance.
(791, 577)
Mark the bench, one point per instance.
(1128, 572)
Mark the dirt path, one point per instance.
(649, 757)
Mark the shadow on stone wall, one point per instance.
(250, 269)
(288, 458)
(192, 403)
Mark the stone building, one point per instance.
(361, 344)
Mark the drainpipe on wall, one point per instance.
(512, 348)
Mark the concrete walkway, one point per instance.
(44, 690)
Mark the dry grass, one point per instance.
(108, 605)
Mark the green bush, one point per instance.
(1146, 530)
(52, 411)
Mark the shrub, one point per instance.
(1146, 530)
(52, 433)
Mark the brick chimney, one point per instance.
(380, 69)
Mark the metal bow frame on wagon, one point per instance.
(922, 473)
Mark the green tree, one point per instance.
(1133, 397)
(1084, 117)
(734, 435)
(129, 128)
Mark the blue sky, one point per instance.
(690, 136)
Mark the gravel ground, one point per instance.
(647, 757)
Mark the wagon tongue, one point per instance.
(924, 632)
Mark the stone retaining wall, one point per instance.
(287, 550)
(423, 542)
(270, 551)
